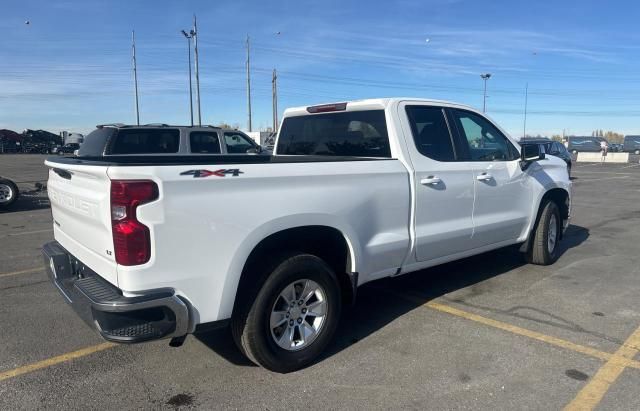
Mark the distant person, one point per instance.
(604, 149)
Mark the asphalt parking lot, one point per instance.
(488, 332)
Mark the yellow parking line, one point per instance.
(54, 360)
(591, 394)
(30, 270)
(520, 331)
(558, 342)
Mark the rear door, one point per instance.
(503, 196)
(443, 184)
(80, 206)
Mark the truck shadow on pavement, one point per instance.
(30, 199)
(378, 303)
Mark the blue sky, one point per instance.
(70, 68)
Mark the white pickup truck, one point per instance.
(160, 246)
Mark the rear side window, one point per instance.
(146, 141)
(95, 142)
(431, 133)
(204, 142)
(351, 133)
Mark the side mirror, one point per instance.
(254, 150)
(530, 153)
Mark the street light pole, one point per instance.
(135, 74)
(249, 83)
(194, 35)
(188, 37)
(526, 98)
(274, 96)
(485, 77)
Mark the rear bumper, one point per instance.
(147, 316)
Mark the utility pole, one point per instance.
(135, 73)
(249, 82)
(188, 37)
(274, 96)
(194, 35)
(526, 97)
(485, 77)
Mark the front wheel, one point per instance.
(543, 249)
(293, 317)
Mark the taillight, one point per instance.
(131, 239)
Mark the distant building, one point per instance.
(9, 141)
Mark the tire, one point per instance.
(281, 348)
(8, 192)
(541, 251)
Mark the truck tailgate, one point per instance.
(80, 205)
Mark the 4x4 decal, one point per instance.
(218, 173)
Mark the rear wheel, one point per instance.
(543, 249)
(8, 192)
(293, 317)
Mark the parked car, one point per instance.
(68, 148)
(584, 144)
(160, 246)
(163, 139)
(631, 144)
(9, 192)
(36, 148)
(615, 147)
(553, 148)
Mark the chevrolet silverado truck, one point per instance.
(161, 246)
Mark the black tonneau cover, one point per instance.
(177, 160)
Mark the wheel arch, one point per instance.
(562, 198)
(334, 245)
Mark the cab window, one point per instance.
(431, 133)
(483, 140)
(237, 143)
(350, 133)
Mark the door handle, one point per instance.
(484, 177)
(431, 180)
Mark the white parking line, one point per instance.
(603, 178)
(26, 233)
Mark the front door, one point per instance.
(503, 195)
